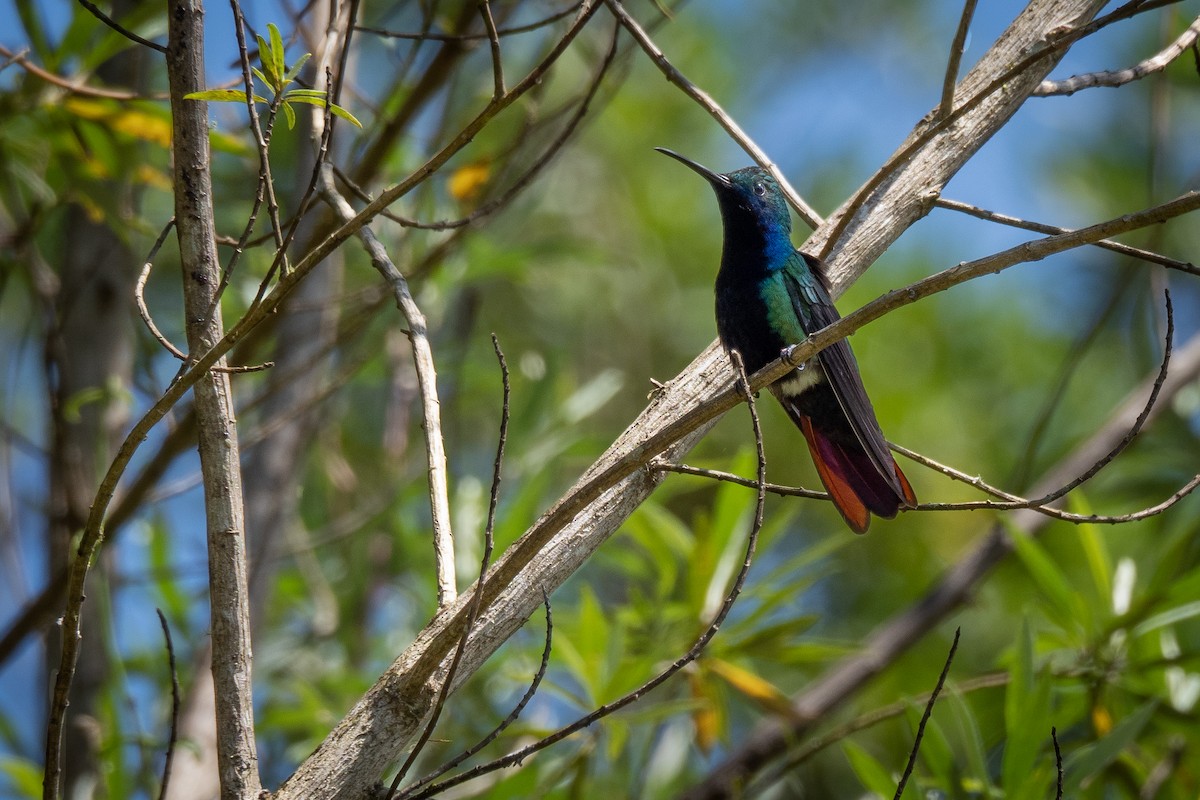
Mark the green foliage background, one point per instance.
(597, 281)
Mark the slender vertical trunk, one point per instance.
(220, 468)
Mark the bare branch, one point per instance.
(485, 9)
(435, 447)
(144, 312)
(1116, 247)
(1058, 765)
(110, 22)
(220, 456)
(1014, 502)
(488, 544)
(171, 739)
(466, 37)
(507, 721)
(956, 52)
(1156, 63)
(937, 689)
(702, 98)
(74, 87)
(139, 297)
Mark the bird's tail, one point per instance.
(854, 484)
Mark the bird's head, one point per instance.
(749, 193)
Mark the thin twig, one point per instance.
(1012, 502)
(435, 447)
(140, 287)
(702, 98)
(144, 312)
(1058, 765)
(262, 139)
(128, 34)
(1008, 501)
(423, 36)
(916, 747)
(1116, 247)
(1062, 40)
(523, 181)
(1114, 78)
(729, 477)
(743, 388)
(811, 747)
(1120, 446)
(485, 9)
(512, 717)
(264, 184)
(485, 561)
(78, 88)
(956, 52)
(174, 734)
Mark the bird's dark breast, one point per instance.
(743, 326)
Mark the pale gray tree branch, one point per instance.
(435, 447)
(705, 101)
(220, 458)
(1029, 225)
(1114, 78)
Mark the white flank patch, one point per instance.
(804, 378)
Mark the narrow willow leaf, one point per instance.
(276, 52)
(1088, 761)
(295, 70)
(874, 776)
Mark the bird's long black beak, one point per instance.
(715, 178)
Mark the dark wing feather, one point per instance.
(815, 309)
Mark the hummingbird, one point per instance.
(771, 296)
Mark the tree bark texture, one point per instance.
(220, 468)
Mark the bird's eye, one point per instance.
(760, 189)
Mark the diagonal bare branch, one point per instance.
(1114, 78)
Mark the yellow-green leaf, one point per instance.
(753, 686)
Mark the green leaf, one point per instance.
(1026, 721)
(1050, 580)
(319, 94)
(295, 70)
(218, 96)
(277, 59)
(970, 737)
(289, 115)
(337, 111)
(23, 776)
(1169, 617)
(264, 79)
(264, 58)
(1094, 550)
(874, 776)
(1089, 761)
